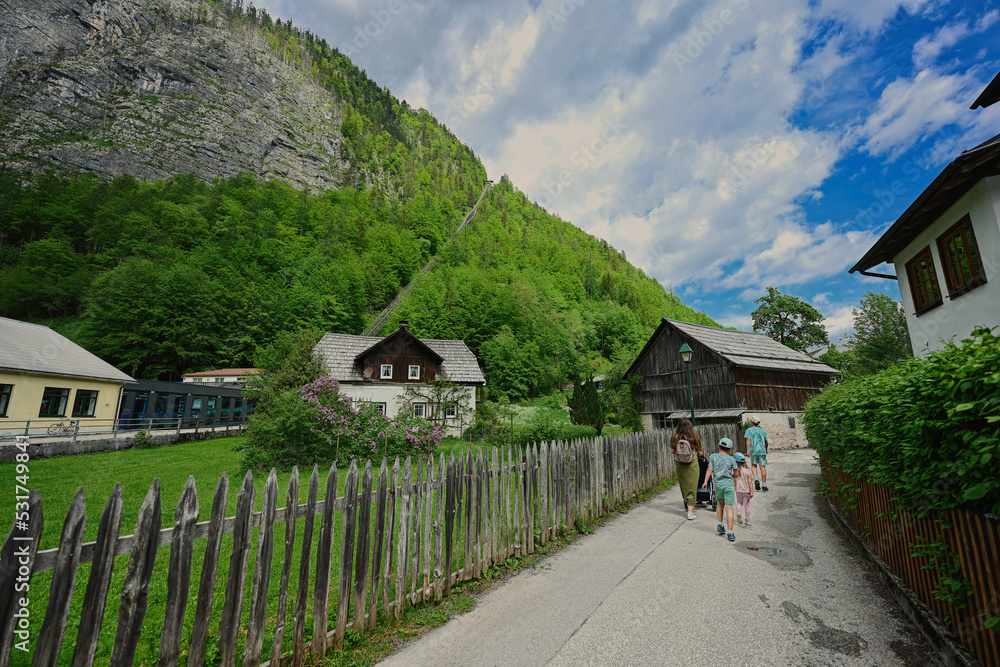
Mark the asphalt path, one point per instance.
(651, 588)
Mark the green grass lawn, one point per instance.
(59, 479)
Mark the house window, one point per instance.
(381, 408)
(963, 268)
(385, 373)
(660, 421)
(450, 412)
(923, 282)
(85, 403)
(420, 409)
(54, 400)
(414, 373)
(5, 390)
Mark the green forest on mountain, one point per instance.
(184, 275)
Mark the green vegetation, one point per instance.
(881, 338)
(929, 429)
(789, 320)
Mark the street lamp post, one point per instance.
(686, 353)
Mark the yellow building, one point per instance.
(45, 377)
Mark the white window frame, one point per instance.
(450, 412)
(420, 409)
(381, 407)
(382, 374)
(413, 372)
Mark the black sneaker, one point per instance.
(756, 484)
(763, 488)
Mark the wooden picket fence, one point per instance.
(404, 540)
(893, 532)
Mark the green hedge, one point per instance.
(929, 428)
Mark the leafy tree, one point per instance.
(789, 320)
(287, 364)
(622, 393)
(881, 338)
(586, 405)
(441, 396)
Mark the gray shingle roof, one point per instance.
(340, 350)
(751, 350)
(37, 350)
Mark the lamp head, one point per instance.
(686, 353)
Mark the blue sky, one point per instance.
(723, 145)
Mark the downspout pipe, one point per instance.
(877, 275)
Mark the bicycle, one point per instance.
(62, 428)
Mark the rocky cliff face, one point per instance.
(156, 87)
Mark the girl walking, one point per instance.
(744, 489)
(687, 473)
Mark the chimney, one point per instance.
(404, 324)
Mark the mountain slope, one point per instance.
(184, 185)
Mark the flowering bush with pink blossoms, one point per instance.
(318, 424)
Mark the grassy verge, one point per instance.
(59, 480)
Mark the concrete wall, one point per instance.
(393, 396)
(981, 306)
(26, 397)
(781, 434)
(47, 450)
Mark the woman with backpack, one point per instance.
(686, 447)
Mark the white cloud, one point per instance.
(872, 14)
(909, 109)
(929, 47)
(839, 323)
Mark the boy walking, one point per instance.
(756, 441)
(720, 467)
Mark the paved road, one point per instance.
(651, 588)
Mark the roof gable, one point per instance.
(740, 348)
(952, 184)
(402, 335)
(339, 352)
(34, 349)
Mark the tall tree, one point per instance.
(789, 320)
(586, 406)
(881, 338)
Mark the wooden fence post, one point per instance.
(232, 608)
(179, 574)
(402, 548)
(364, 513)
(439, 488)
(17, 559)
(96, 598)
(261, 573)
(209, 567)
(346, 551)
(382, 494)
(63, 577)
(324, 563)
(291, 511)
(135, 590)
(302, 592)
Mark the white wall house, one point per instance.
(237, 376)
(379, 370)
(945, 252)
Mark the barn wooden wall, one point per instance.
(774, 391)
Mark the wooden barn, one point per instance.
(734, 375)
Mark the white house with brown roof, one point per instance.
(378, 370)
(46, 378)
(945, 248)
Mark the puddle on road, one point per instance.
(788, 556)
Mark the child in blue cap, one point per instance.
(720, 467)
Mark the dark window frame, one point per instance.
(92, 402)
(918, 279)
(47, 394)
(951, 262)
(6, 390)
